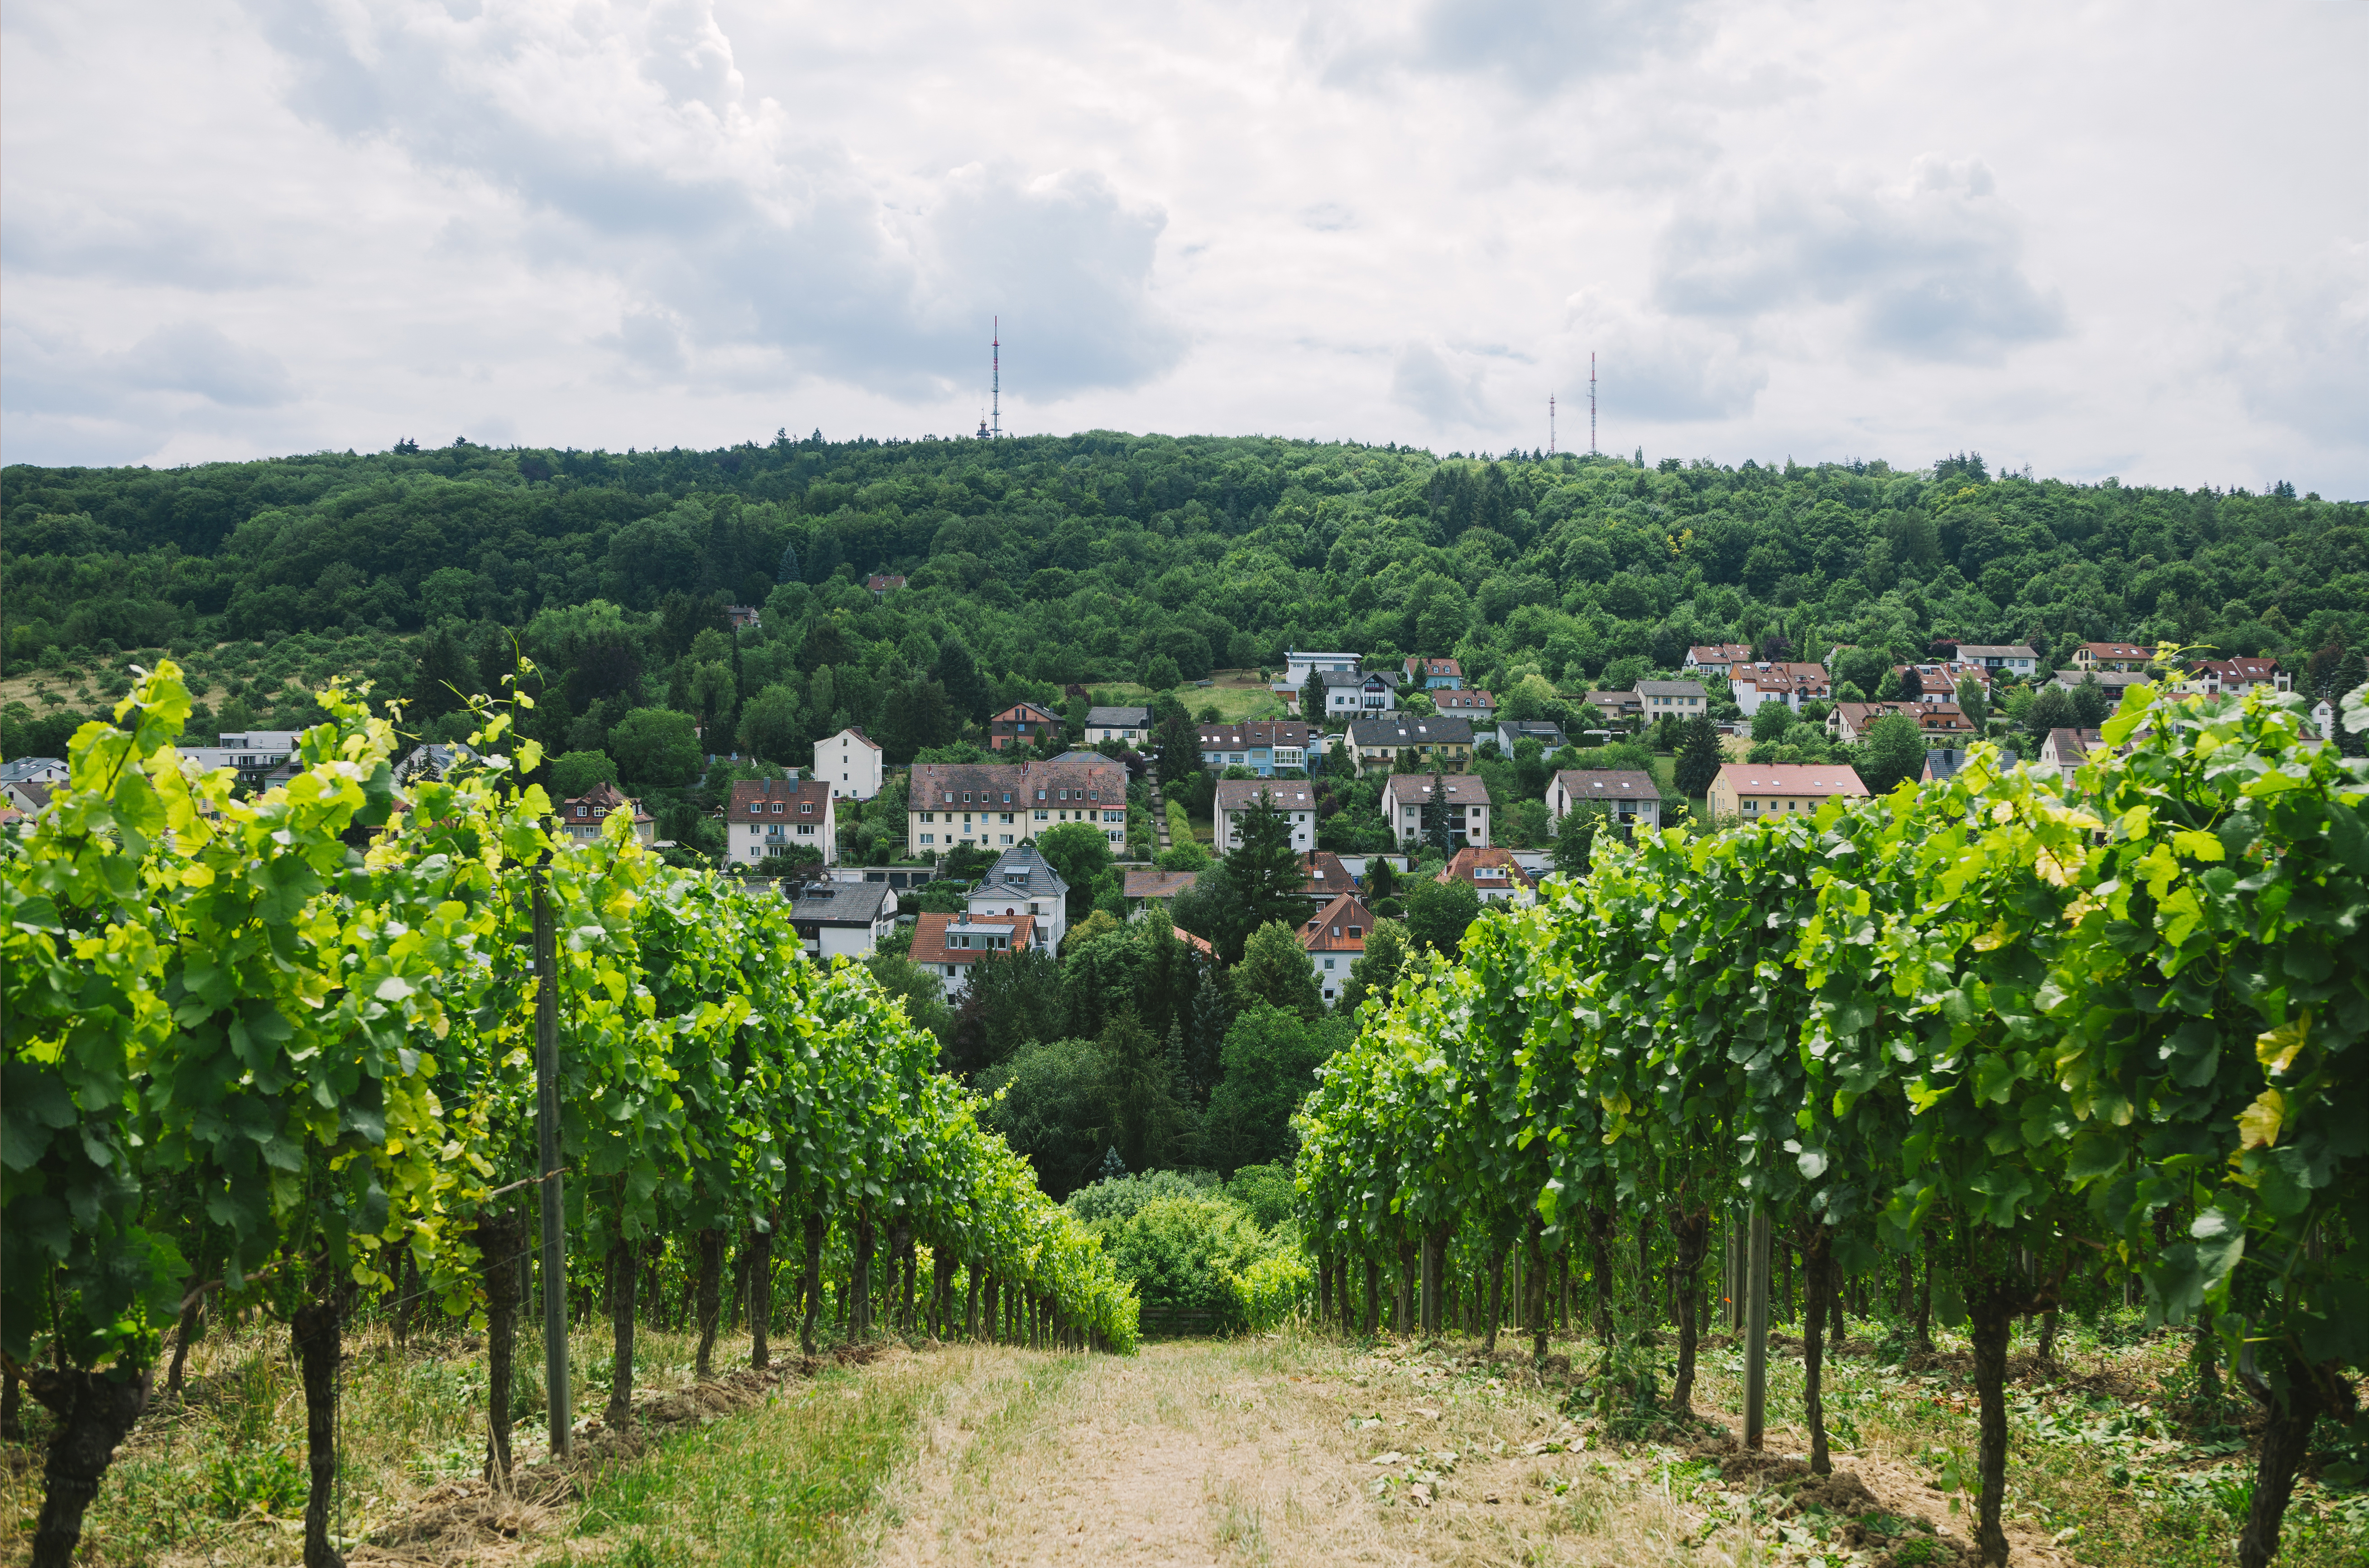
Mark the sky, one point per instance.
(2096, 239)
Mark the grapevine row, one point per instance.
(280, 1051)
(2040, 1031)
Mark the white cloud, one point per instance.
(696, 220)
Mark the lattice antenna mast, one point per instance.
(1551, 446)
(1591, 402)
(995, 381)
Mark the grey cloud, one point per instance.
(1539, 47)
(194, 357)
(1930, 273)
(62, 376)
(1423, 381)
(81, 240)
(626, 140)
(2297, 342)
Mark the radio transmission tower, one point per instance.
(995, 380)
(1591, 402)
(1551, 446)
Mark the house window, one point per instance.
(928, 838)
(1328, 963)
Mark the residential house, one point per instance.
(2114, 683)
(1130, 727)
(1848, 720)
(882, 585)
(2016, 658)
(773, 817)
(995, 805)
(948, 945)
(27, 795)
(1464, 797)
(1616, 706)
(1511, 733)
(1335, 937)
(1791, 683)
(1236, 797)
(1938, 680)
(1493, 873)
(846, 920)
(2122, 657)
(1442, 742)
(1755, 790)
(2323, 719)
(741, 617)
(256, 754)
(1672, 698)
(1466, 702)
(434, 761)
(1943, 765)
(1298, 667)
(1023, 724)
(582, 817)
(2067, 749)
(851, 763)
(1348, 695)
(1717, 658)
(1144, 889)
(1263, 746)
(2215, 676)
(41, 769)
(1328, 878)
(1631, 799)
(1022, 882)
(1433, 675)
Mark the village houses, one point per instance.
(1236, 797)
(851, 763)
(1376, 743)
(996, 805)
(1335, 937)
(1629, 798)
(773, 816)
(1755, 790)
(1464, 798)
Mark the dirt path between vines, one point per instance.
(1205, 1453)
(1296, 1452)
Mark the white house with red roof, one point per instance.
(1335, 937)
(949, 946)
(773, 817)
(1755, 790)
(581, 818)
(1492, 873)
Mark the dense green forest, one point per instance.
(1111, 557)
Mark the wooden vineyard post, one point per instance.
(1756, 1331)
(557, 1402)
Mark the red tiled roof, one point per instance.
(805, 800)
(599, 800)
(1484, 869)
(1329, 930)
(930, 931)
(1326, 874)
(1791, 778)
(1158, 884)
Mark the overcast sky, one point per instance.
(2099, 239)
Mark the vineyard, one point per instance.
(2044, 1043)
(279, 1055)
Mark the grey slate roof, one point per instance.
(1120, 718)
(841, 903)
(1021, 872)
(1669, 689)
(1406, 729)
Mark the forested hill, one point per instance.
(1121, 558)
